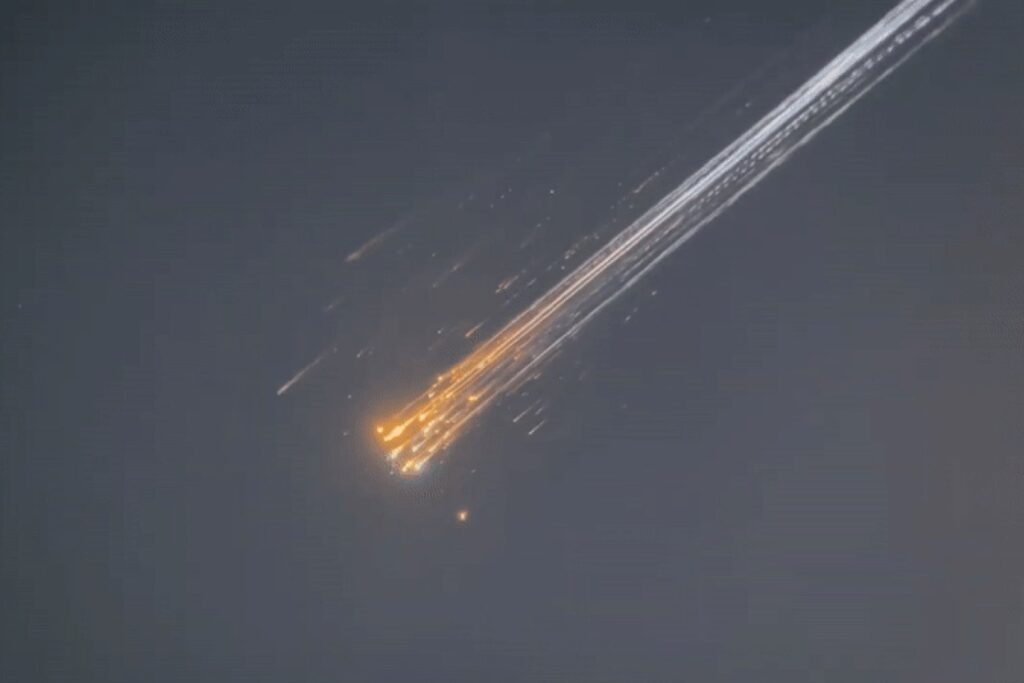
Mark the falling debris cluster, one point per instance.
(430, 423)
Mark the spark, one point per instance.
(473, 330)
(374, 242)
(650, 179)
(298, 376)
(461, 263)
(526, 411)
(428, 425)
(462, 516)
(506, 283)
(337, 301)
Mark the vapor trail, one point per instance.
(429, 424)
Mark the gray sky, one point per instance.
(800, 461)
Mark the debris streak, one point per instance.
(374, 242)
(428, 425)
(297, 377)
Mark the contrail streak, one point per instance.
(432, 422)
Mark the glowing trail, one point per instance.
(539, 425)
(473, 330)
(297, 377)
(374, 242)
(429, 424)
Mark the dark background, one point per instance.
(801, 461)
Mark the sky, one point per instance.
(799, 461)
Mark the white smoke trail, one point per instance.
(432, 422)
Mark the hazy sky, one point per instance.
(800, 461)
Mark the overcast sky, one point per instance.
(800, 461)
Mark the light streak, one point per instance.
(374, 242)
(473, 330)
(506, 283)
(650, 179)
(526, 410)
(297, 377)
(427, 426)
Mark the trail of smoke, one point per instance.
(431, 423)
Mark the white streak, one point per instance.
(302, 373)
(513, 354)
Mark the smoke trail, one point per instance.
(428, 425)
